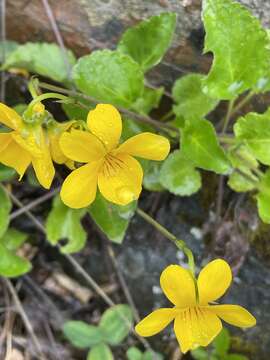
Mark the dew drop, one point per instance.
(125, 195)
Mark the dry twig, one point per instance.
(80, 270)
(58, 35)
(25, 319)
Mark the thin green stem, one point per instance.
(242, 102)
(179, 243)
(32, 88)
(44, 97)
(226, 139)
(186, 250)
(250, 165)
(157, 225)
(167, 115)
(228, 117)
(138, 117)
(247, 176)
(258, 172)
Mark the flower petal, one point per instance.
(105, 122)
(178, 285)
(214, 280)
(15, 156)
(146, 145)
(120, 180)
(54, 134)
(9, 117)
(79, 188)
(5, 139)
(155, 322)
(234, 314)
(70, 164)
(44, 169)
(55, 150)
(81, 146)
(30, 140)
(41, 157)
(196, 327)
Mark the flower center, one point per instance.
(112, 165)
(194, 316)
(114, 169)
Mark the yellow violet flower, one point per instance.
(30, 143)
(25, 144)
(196, 322)
(109, 166)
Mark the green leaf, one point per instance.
(20, 108)
(74, 111)
(179, 122)
(222, 342)
(81, 334)
(13, 239)
(235, 357)
(12, 265)
(254, 131)
(147, 42)
(41, 58)
(179, 176)
(242, 158)
(100, 352)
(151, 180)
(116, 323)
(149, 100)
(239, 60)
(189, 97)
(5, 209)
(7, 47)
(6, 173)
(32, 178)
(200, 354)
(109, 76)
(149, 355)
(263, 198)
(111, 219)
(242, 179)
(242, 183)
(65, 223)
(132, 127)
(263, 84)
(199, 143)
(134, 353)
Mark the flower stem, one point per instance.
(167, 116)
(228, 117)
(32, 88)
(242, 103)
(138, 117)
(179, 243)
(226, 139)
(46, 96)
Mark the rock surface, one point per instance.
(92, 24)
